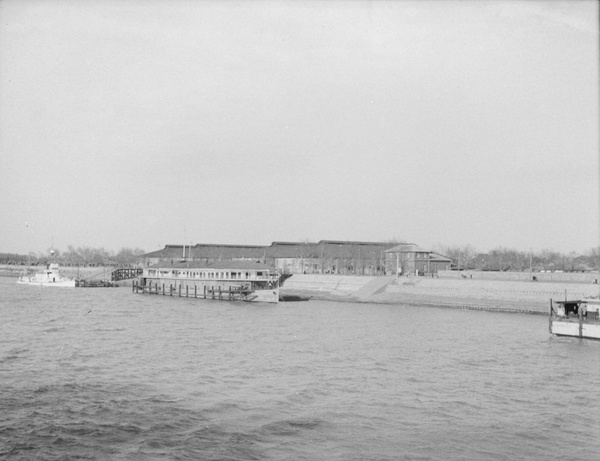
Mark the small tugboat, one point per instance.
(576, 318)
(49, 278)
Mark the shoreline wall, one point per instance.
(558, 277)
(469, 293)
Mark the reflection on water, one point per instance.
(106, 374)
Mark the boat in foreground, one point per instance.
(49, 278)
(576, 318)
(224, 280)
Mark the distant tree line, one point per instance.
(464, 257)
(507, 259)
(80, 256)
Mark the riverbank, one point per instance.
(508, 295)
(470, 293)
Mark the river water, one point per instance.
(105, 374)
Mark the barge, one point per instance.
(576, 318)
(223, 280)
(83, 283)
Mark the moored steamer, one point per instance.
(224, 280)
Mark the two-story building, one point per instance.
(411, 259)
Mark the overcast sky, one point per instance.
(144, 123)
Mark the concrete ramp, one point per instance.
(374, 286)
(333, 284)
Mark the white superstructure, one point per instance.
(49, 278)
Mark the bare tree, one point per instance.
(594, 258)
(463, 255)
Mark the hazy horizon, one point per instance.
(435, 247)
(140, 124)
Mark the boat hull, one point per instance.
(200, 291)
(573, 329)
(59, 284)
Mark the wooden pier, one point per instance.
(203, 292)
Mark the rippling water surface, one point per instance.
(108, 374)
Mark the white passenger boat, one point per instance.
(49, 278)
(576, 318)
(224, 280)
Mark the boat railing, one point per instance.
(270, 276)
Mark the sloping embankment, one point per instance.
(493, 295)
